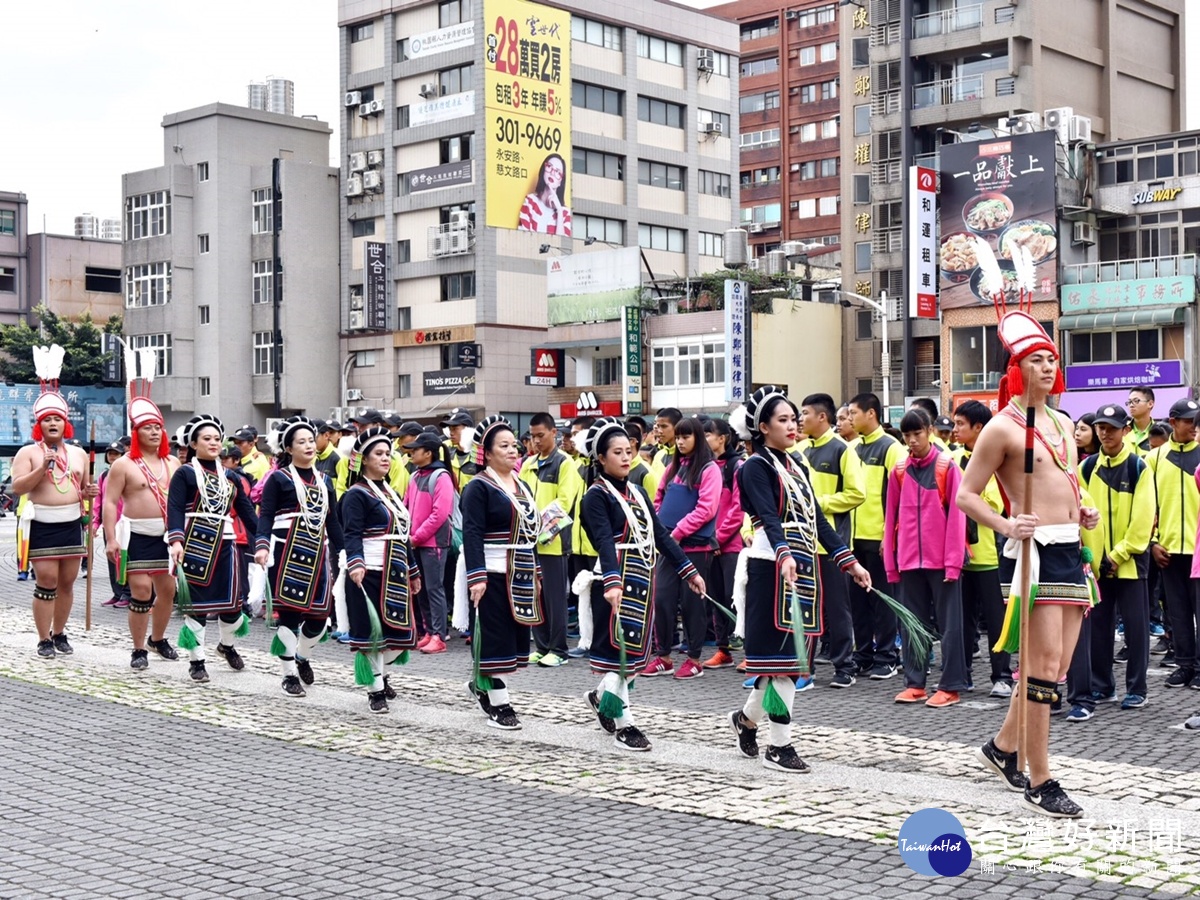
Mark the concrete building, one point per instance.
(71, 276)
(14, 257)
(277, 95)
(919, 74)
(653, 104)
(200, 265)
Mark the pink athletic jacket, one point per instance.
(690, 514)
(920, 532)
(729, 513)
(429, 509)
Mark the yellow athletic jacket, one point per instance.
(980, 539)
(554, 478)
(1176, 500)
(878, 452)
(398, 475)
(1122, 489)
(838, 480)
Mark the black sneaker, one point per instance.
(1005, 764)
(139, 659)
(1051, 800)
(304, 670)
(479, 697)
(1168, 661)
(388, 691)
(164, 649)
(1122, 654)
(377, 701)
(842, 680)
(1181, 677)
(882, 672)
(784, 759)
(62, 645)
(292, 686)
(630, 738)
(46, 649)
(1161, 646)
(593, 700)
(1195, 682)
(197, 671)
(747, 736)
(504, 717)
(232, 657)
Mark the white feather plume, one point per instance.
(739, 421)
(47, 362)
(992, 279)
(147, 363)
(1023, 265)
(129, 358)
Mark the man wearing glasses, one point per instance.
(1141, 411)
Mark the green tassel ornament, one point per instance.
(277, 646)
(913, 630)
(187, 639)
(482, 682)
(243, 629)
(364, 672)
(376, 625)
(183, 593)
(611, 706)
(402, 659)
(773, 704)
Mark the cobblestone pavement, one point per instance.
(227, 757)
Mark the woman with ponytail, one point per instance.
(431, 498)
(728, 453)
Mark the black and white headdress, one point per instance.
(281, 437)
(485, 427)
(189, 431)
(744, 420)
(588, 440)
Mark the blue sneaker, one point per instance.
(1120, 629)
(748, 684)
(804, 684)
(1157, 630)
(1079, 714)
(577, 652)
(22, 576)
(1101, 698)
(1133, 701)
(342, 637)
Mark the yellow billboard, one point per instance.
(527, 86)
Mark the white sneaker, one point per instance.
(1001, 689)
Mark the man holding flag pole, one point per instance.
(1028, 447)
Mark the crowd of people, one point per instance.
(788, 533)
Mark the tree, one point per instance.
(82, 364)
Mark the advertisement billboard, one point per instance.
(737, 295)
(1001, 191)
(592, 287)
(103, 407)
(631, 353)
(428, 43)
(922, 243)
(375, 291)
(527, 81)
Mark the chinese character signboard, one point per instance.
(736, 322)
(631, 355)
(1176, 291)
(527, 83)
(375, 292)
(1002, 192)
(450, 334)
(451, 37)
(438, 177)
(442, 109)
(922, 243)
(1159, 373)
(592, 287)
(102, 407)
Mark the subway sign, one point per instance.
(1156, 195)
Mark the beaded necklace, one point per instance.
(55, 461)
(1059, 452)
(311, 498)
(527, 514)
(392, 503)
(214, 490)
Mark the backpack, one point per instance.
(941, 466)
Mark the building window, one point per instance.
(751, 67)
(102, 281)
(597, 164)
(404, 387)
(862, 189)
(599, 34)
(660, 112)
(705, 116)
(363, 32)
(752, 31)
(807, 170)
(262, 281)
(829, 51)
(161, 344)
(264, 353)
(402, 50)
(829, 167)
(205, 384)
(688, 365)
(860, 48)
(148, 284)
(610, 231)
(456, 149)
(596, 98)
(759, 177)
(8, 280)
(458, 286)
(362, 227)
(759, 140)
(862, 119)
(822, 15)
(712, 244)
(662, 175)
(261, 221)
(659, 50)
(752, 103)
(1116, 346)
(403, 251)
(455, 12)
(364, 359)
(147, 215)
(664, 366)
(202, 244)
(8, 221)
(660, 237)
(767, 214)
(402, 114)
(808, 93)
(808, 56)
(806, 208)
(607, 370)
(403, 318)
(827, 206)
(720, 63)
(715, 184)
(862, 256)
(829, 129)
(862, 325)
(202, 171)
(829, 90)
(205, 314)
(456, 80)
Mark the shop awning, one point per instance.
(583, 342)
(1162, 315)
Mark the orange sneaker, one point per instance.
(911, 695)
(943, 698)
(719, 660)
(741, 667)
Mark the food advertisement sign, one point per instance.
(527, 80)
(1002, 192)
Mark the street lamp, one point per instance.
(880, 306)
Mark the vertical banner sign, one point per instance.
(631, 354)
(527, 106)
(110, 350)
(922, 243)
(735, 340)
(376, 299)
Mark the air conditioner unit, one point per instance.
(375, 107)
(713, 128)
(754, 228)
(354, 186)
(364, 110)
(1083, 233)
(358, 162)
(374, 157)
(460, 219)
(754, 265)
(795, 167)
(1079, 130)
(1024, 123)
(372, 181)
(441, 244)
(792, 15)
(357, 319)
(1057, 119)
(429, 89)
(353, 98)
(704, 59)
(460, 242)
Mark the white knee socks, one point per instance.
(287, 660)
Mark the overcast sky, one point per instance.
(87, 82)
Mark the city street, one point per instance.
(121, 784)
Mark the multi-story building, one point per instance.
(90, 225)
(789, 86)
(649, 90)
(207, 237)
(71, 276)
(919, 74)
(14, 258)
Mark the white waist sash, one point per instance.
(54, 515)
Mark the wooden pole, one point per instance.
(1026, 587)
(91, 530)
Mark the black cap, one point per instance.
(246, 433)
(230, 452)
(434, 430)
(393, 421)
(458, 416)
(114, 447)
(943, 423)
(347, 429)
(369, 417)
(410, 429)
(1184, 409)
(424, 441)
(331, 425)
(1111, 415)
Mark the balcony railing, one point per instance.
(885, 103)
(928, 160)
(886, 172)
(927, 374)
(884, 35)
(947, 21)
(888, 241)
(947, 91)
(1128, 269)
